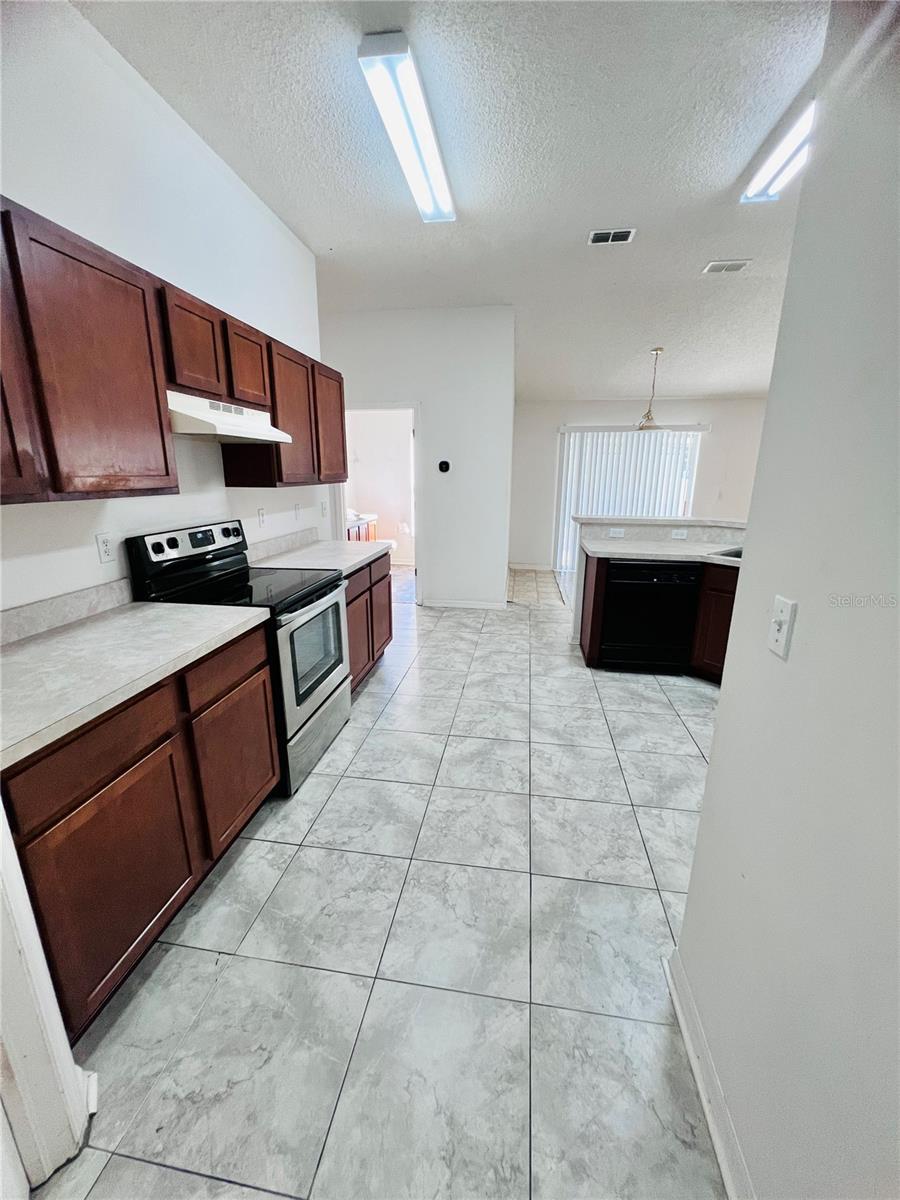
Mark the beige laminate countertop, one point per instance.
(330, 555)
(56, 681)
(669, 551)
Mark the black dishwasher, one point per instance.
(649, 612)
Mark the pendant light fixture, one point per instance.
(648, 421)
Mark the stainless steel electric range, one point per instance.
(306, 630)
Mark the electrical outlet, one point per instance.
(324, 508)
(261, 516)
(615, 533)
(781, 627)
(106, 549)
(296, 512)
(679, 534)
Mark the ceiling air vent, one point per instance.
(726, 266)
(605, 237)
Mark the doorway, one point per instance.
(380, 490)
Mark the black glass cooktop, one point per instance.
(277, 588)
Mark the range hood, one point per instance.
(221, 421)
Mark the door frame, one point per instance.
(47, 1098)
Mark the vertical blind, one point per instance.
(628, 473)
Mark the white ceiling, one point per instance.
(554, 119)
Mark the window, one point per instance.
(621, 473)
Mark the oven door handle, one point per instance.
(301, 615)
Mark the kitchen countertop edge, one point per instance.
(322, 555)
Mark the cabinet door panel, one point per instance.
(21, 462)
(95, 330)
(237, 757)
(714, 621)
(359, 635)
(106, 878)
(382, 627)
(196, 348)
(248, 360)
(294, 412)
(331, 434)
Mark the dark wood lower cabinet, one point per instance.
(117, 824)
(106, 879)
(713, 621)
(369, 621)
(382, 625)
(359, 635)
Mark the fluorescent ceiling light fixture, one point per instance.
(786, 160)
(390, 71)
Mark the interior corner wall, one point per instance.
(790, 937)
(725, 469)
(455, 368)
(90, 145)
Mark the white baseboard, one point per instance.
(529, 567)
(735, 1175)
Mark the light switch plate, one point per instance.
(106, 549)
(679, 533)
(781, 626)
(616, 533)
(261, 517)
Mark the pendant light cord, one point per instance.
(647, 421)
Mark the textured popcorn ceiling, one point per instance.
(554, 119)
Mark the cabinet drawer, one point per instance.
(357, 583)
(381, 567)
(50, 787)
(227, 668)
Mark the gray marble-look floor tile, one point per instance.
(501, 662)
(483, 685)
(691, 681)
(511, 642)
(289, 820)
(578, 772)
(701, 730)
(412, 1121)
(339, 755)
(249, 1093)
(372, 815)
(478, 828)
(367, 707)
(582, 839)
(615, 1112)
(505, 621)
(491, 764)
(75, 1179)
(554, 641)
(129, 1179)
(655, 733)
(563, 726)
(560, 665)
(423, 681)
(692, 702)
(675, 903)
(444, 657)
(418, 714)
(598, 946)
(134, 1036)
(664, 780)
(226, 904)
(491, 719)
(461, 927)
(403, 757)
(638, 694)
(464, 618)
(331, 909)
(670, 836)
(562, 690)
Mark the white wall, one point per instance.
(87, 143)
(380, 470)
(790, 940)
(725, 468)
(456, 366)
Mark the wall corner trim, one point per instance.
(736, 1177)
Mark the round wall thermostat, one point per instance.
(443, 466)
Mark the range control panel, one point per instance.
(190, 543)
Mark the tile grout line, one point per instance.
(530, 941)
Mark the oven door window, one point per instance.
(315, 651)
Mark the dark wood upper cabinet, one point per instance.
(22, 474)
(713, 620)
(196, 347)
(294, 412)
(330, 430)
(248, 361)
(95, 336)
